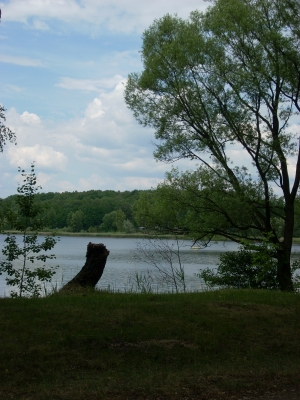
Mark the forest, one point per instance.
(90, 211)
(114, 211)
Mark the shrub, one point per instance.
(243, 269)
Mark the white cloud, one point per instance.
(13, 88)
(93, 15)
(140, 166)
(65, 186)
(44, 157)
(101, 146)
(43, 179)
(294, 129)
(23, 61)
(111, 105)
(78, 84)
(28, 128)
(30, 118)
(104, 148)
(140, 182)
(128, 58)
(40, 25)
(96, 85)
(94, 109)
(122, 184)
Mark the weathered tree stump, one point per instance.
(92, 270)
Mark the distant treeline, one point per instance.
(100, 211)
(92, 211)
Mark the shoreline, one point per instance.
(120, 235)
(117, 235)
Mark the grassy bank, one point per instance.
(102, 345)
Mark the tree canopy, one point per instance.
(82, 211)
(222, 90)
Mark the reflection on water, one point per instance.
(124, 262)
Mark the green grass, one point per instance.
(99, 345)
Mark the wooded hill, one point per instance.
(92, 211)
(97, 210)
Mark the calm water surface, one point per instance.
(126, 260)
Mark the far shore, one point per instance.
(135, 235)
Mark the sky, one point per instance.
(63, 66)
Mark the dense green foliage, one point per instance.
(178, 207)
(221, 89)
(242, 270)
(246, 269)
(85, 211)
(94, 210)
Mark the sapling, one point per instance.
(165, 258)
(20, 257)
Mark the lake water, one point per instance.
(130, 258)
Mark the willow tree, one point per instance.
(222, 89)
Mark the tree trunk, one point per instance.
(92, 270)
(284, 274)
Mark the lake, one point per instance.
(131, 258)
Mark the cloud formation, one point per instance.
(63, 68)
(103, 149)
(45, 157)
(23, 61)
(115, 15)
(92, 85)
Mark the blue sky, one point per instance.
(63, 67)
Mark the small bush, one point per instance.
(243, 269)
